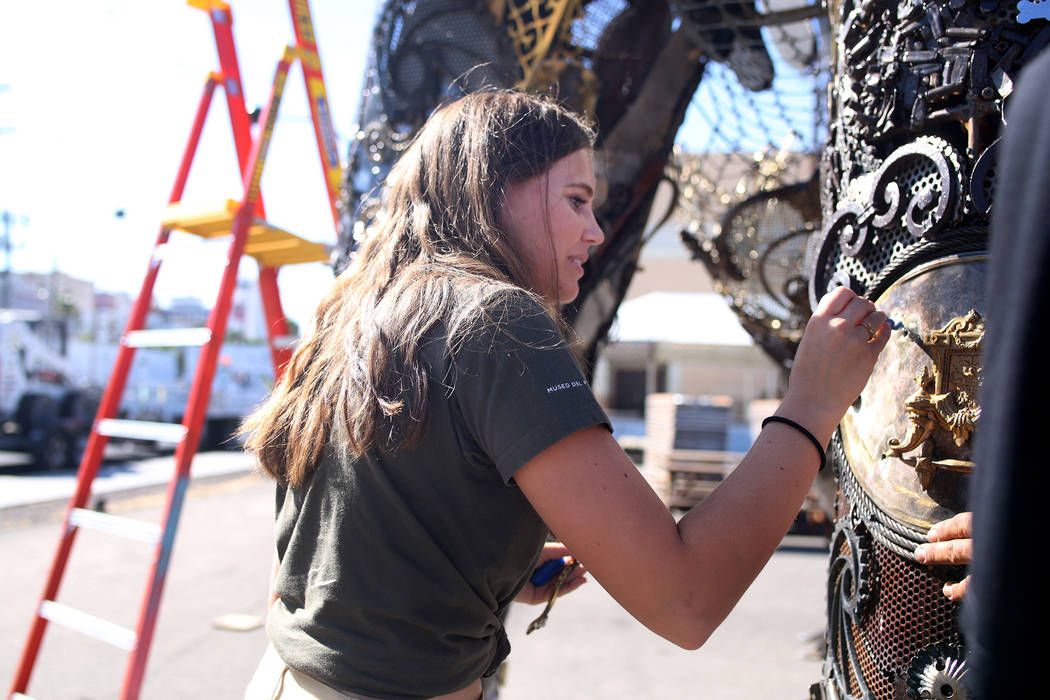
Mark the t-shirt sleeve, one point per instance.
(519, 388)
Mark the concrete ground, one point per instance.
(590, 648)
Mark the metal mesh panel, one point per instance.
(423, 48)
(909, 615)
(597, 14)
(911, 612)
(885, 609)
(761, 121)
(876, 683)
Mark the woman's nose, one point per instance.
(593, 233)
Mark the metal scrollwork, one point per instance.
(540, 32)
(850, 593)
(910, 200)
(946, 399)
(982, 179)
(932, 196)
(852, 227)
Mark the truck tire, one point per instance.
(47, 442)
(75, 448)
(77, 409)
(76, 412)
(36, 413)
(52, 452)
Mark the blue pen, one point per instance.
(547, 571)
(899, 326)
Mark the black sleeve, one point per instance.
(518, 387)
(1010, 486)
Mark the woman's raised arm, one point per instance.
(681, 580)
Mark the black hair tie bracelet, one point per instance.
(799, 428)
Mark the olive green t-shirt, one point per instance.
(395, 568)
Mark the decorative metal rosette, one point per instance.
(938, 673)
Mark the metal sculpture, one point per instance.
(425, 52)
(917, 101)
(633, 66)
(848, 144)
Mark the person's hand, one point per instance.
(950, 543)
(535, 595)
(834, 360)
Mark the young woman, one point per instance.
(433, 424)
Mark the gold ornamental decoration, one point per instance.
(946, 399)
(540, 31)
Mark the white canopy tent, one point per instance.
(685, 330)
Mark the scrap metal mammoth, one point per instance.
(853, 144)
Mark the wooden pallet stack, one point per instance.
(687, 438)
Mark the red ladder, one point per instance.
(272, 247)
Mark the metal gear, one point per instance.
(937, 673)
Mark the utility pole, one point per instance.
(7, 218)
(6, 242)
(5, 285)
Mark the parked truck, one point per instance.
(159, 383)
(50, 388)
(46, 406)
(159, 387)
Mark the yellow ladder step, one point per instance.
(270, 245)
(207, 222)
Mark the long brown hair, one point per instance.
(436, 255)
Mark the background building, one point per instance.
(674, 333)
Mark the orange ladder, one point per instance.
(244, 222)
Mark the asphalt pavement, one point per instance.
(209, 634)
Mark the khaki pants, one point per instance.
(275, 680)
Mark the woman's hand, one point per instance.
(831, 367)
(534, 595)
(950, 543)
